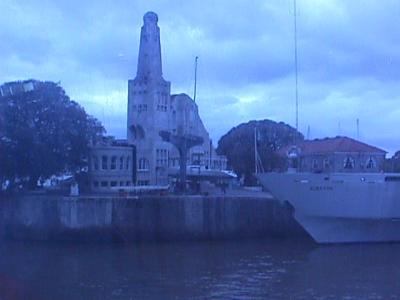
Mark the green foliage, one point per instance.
(42, 133)
(238, 146)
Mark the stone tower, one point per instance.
(148, 107)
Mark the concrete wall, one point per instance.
(45, 217)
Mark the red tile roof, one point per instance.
(336, 144)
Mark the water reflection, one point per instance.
(273, 269)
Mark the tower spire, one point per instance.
(149, 62)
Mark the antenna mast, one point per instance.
(295, 63)
(195, 78)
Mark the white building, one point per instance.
(111, 165)
(152, 108)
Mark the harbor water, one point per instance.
(245, 269)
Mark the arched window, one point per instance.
(139, 132)
(132, 129)
(327, 164)
(349, 163)
(143, 164)
(371, 163)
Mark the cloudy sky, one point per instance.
(348, 53)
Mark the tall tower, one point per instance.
(148, 107)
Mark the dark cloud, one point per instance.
(349, 58)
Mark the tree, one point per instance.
(238, 146)
(43, 133)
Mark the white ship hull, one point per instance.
(341, 208)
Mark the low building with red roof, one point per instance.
(338, 154)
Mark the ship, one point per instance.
(340, 207)
(335, 186)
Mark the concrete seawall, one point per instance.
(45, 217)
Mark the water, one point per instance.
(266, 269)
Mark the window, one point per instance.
(113, 163)
(327, 164)
(113, 183)
(139, 132)
(132, 129)
(314, 164)
(196, 158)
(104, 162)
(121, 162)
(162, 102)
(104, 183)
(143, 164)
(121, 183)
(95, 183)
(95, 163)
(128, 183)
(371, 164)
(161, 157)
(349, 163)
(142, 107)
(128, 160)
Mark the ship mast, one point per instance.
(294, 152)
(296, 64)
(255, 151)
(195, 78)
(258, 166)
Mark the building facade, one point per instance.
(111, 165)
(338, 154)
(152, 108)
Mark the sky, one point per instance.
(348, 59)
